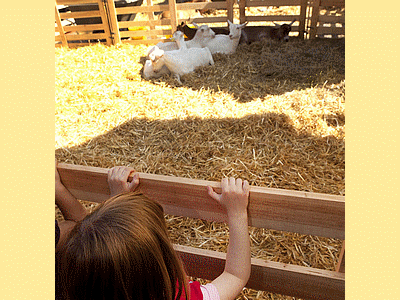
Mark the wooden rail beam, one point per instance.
(275, 277)
(60, 28)
(286, 210)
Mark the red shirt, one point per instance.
(195, 291)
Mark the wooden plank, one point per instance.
(340, 3)
(126, 24)
(60, 28)
(74, 2)
(277, 18)
(113, 22)
(286, 210)
(340, 267)
(209, 20)
(143, 42)
(229, 10)
(80, 14)
(314, 18)
(242, 11)
(88, 27)
(330, 30)
(174, 18)
(150, 15)
(141, 9)
(275, 277)
(146, 33)
(105, 22)
(89, 36)
(273, 3)
(302, 19)
(202, 5)
(331, 19)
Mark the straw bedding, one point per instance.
(273, 114)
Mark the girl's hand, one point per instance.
(118, 180)
(234, 196)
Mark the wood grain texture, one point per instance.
(280, 278)
(278, 209)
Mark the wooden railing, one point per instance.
(287, 210)
(310, 23)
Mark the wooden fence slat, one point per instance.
(278, 18)
(74, 2)
(80, 14)
(340, 3)
(150, 15)
(89, 27)
(105, 22)
(340, 267)
(273, 3)
(60, 28)
(302, 18)
(242, 11)
(202, 5)
(314, 18)
(174, 18)
(141, 9)
(113, 22)
(275, 277)
(293, 211)
(229, 10)
(209, 20)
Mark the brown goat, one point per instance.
(190, 32)
(278, 32)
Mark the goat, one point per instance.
(182, 61)
(202, 36)
(190, 32)
(148, 71)
(226, 44)
(278, 32)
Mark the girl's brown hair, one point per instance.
(121, 251)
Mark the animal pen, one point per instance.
(310, 21)
(282, 208)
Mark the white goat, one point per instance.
(148, 71)
(226, 44)
(202, 36)
(182, 61)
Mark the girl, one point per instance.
(122, 250)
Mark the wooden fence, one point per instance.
(293, 211)
(316, 18)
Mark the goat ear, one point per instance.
(229, 22)
(276, 24)
(197, 26)
(243, 25)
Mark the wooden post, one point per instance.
(229, 10)
(105, 21)
(314, 18)
(174, 17)
(341, 264)
(242, 11)
(302, 21)
(113, 21)
(60, 29)
(150, 14)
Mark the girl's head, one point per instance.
(120, 251)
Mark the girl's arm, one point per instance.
(234, 197)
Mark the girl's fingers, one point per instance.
(246, 187)
(213, 194)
